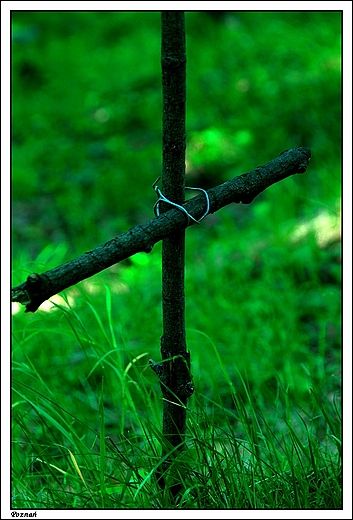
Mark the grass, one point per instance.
(264, 425)
(257, 459)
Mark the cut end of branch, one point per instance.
(29, 293)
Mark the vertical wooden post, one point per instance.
(174, 371)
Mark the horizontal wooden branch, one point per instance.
(241, 189)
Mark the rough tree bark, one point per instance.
(174, 371)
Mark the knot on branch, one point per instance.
(185, 390)
(158, 368)
(173, 377)
(33, 278)
(30, 292)
(173, 61)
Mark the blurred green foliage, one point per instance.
(86, 113)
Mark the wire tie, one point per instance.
(162, 198)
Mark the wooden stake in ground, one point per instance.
(174, 371)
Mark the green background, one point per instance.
(87, 114)
(263, 282)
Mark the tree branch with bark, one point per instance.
(241, 189)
